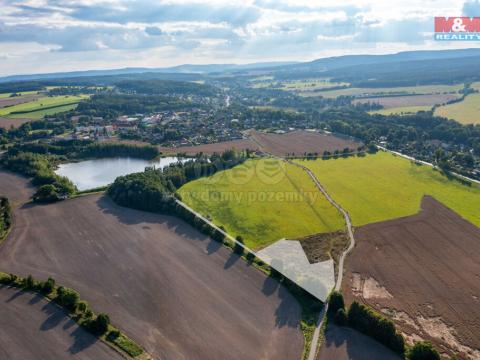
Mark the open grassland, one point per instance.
(423, 89)
(465, 112)
(406, 110)
(38, 108)
(383, 186)
(422, 271)
(263, 201)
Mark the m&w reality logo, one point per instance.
(457, 29)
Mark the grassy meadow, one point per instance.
(36, 109)
(383, 186)
(465, 112)
(263, 201)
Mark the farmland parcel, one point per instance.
(263, 201)
(383, 186)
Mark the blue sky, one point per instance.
(55, 35)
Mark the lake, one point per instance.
(91, 174)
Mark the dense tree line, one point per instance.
(82, 149)
(367, 321)
(110, 106)
(166, 87)
(51, 187)
(153, 190)
(5, 216)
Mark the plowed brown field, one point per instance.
(424, 272)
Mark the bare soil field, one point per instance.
(423, 272)
(15, 187)
(411, 100)
(300, 142)
(211, 148)
(343, 343)
(15, 123)
(10, 101)
(174, 291)
(33, 328)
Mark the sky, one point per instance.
(39, 36)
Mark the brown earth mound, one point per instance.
(32, 328)
(297, 143)
(424, 272)
(173, 290)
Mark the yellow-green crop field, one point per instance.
(36, 109)
(465, 112)
(423, 89)
(263, 201)
(383, 187)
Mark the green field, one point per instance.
(43, 106)
(7, 95)
(263, 201)
(402, 110)
(465, 112)
(383, 187)
(424, 89)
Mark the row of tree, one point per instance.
(367, 321)
(5, 216)
(70, 300)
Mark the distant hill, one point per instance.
(182, 69)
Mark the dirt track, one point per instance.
(425, 269)
(32, 329)
(300, 142)
(342, 343)
(176, 292)
(212, 148)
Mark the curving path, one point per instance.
(338, 283)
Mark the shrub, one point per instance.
(99, 326)
(28, 283)
(82, 306)
(67, 298)
(46, 193)
(341, 318)
(335, 302)
(113, 334)
(88, 314)
(423, 350)
(48, 286)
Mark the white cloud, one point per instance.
(110, 33)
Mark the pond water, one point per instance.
(91, 174)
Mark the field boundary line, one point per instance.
(460, 176)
